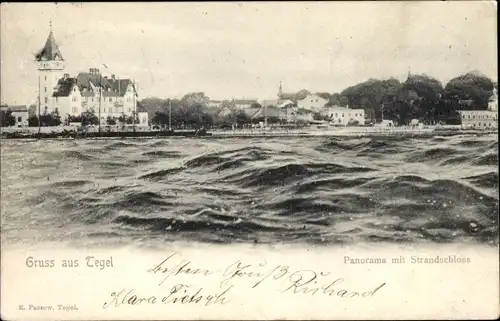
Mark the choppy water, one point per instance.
(314, 190)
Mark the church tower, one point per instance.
(50, 69)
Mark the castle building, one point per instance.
(88, 91)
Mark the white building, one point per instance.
(344, 116)
(71, 96)
(493, 102)
(19, 112)
(479, 119)
(312, 102)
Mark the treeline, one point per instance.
(419, 97)
(85, 119)
(191, 112)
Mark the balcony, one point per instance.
(118, 104)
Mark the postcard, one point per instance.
(249, 161)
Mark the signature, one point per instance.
(290, 280)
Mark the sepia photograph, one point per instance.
(248, 128)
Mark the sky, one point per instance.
(243, 50)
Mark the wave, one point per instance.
(78, 155)
(267, 190)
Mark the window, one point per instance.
(92, 99)
(46, 100)
(342, 114)
(117, 109)
(45, 77)
(104, 109)
(110, 99)
(57, 99)
(129, 110)
(45, 89)
(19, 119)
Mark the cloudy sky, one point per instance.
(244, 49)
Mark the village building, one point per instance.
(19, 112)
(312, 102)
(343, 116)
(243, 103)
(493, 101)
(479, 119)
(88, 91)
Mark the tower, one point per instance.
(280, 91)
(50, 69)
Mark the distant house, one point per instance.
(243, 103)
(304, 115)
(224, 111)
(385, 123)
(142, 114)
(344, 116)
(312, 102)
(262, 113)
(493, 101)
(214, 103)
(20, 113)
(479, 119)
(269, 102)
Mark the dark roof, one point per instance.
(15, 108)
(111, 87)
(50, 50)
(118, 87)
(63, 87)
(270, 111)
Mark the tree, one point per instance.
(242, 118)
(301, 94)
(7, 119)
(74, 119)
(56, 118)
(371, 94)
(326, 96)
(111, 121)
(474, 86)
(192, 99)
(89, 118)
(426, 87)
(33, 121)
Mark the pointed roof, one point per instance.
(50, 51)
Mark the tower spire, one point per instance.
(280, 91)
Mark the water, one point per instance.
(282, 190)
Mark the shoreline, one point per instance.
(353, 132)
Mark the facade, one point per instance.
(493, 102)
(88, 91)
(344, 116)
(312, 102)
(214, 103)
(479, 119)
(19, 112)
(243, 103)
